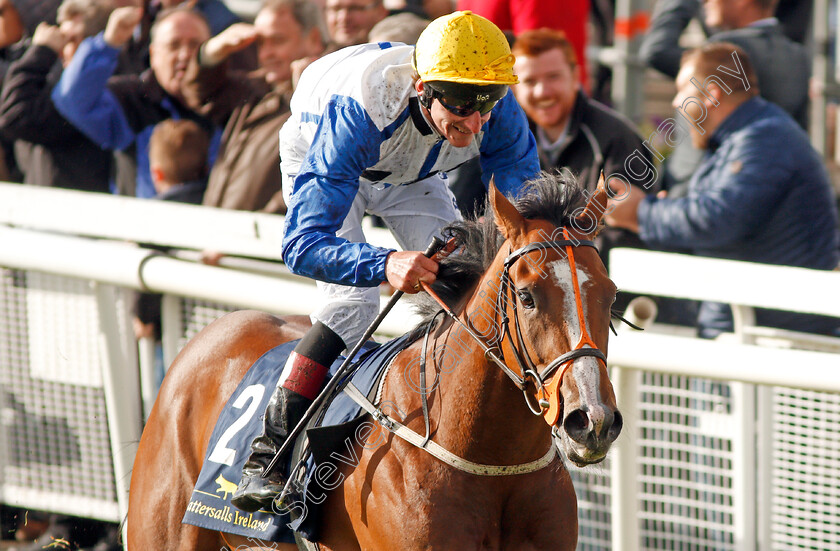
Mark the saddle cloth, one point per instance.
(241, 421)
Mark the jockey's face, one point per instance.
(458, 131)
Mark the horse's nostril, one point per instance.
(617, 425)
(576, 425)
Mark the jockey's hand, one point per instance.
(405, 269)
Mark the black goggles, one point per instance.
(464, 105)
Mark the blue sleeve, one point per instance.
(726, 204)
(508, 148)
(83, 98)
(346, 143)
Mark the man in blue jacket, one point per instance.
(373, 129)
(782, 66)
(761, 194)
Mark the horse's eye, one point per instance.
(525, 298)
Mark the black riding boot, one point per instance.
(311, 358)
(255, 491)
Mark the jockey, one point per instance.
(373, 129)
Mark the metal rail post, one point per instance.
(121, 386)
(631, 22)
(822, 75)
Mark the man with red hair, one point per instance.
(572, 130)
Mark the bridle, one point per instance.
(550, 401)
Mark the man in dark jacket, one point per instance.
(49, 150)
(18, 20)
(761, 195)
(572, 130)
(782, 66)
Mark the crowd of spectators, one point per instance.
(98, 95)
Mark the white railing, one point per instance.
(92, 238)
(735, 359)
(744, 286)
(80, 256)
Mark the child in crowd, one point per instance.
(178, 164)
(178, 160)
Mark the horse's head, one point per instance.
(554, 304)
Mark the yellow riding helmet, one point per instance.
(465, 48)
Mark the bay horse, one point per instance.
(525, 357)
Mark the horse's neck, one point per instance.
(480, 412)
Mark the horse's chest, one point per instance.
(441, 512)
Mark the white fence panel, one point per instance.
(719, 465)
(59, 449)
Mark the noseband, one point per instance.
(550, 401)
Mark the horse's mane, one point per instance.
(553, 197)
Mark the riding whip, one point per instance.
(344, 369)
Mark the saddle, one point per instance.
(329, 442)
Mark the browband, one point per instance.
(559, 245)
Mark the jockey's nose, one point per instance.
(474, 122)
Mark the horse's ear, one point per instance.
(595, 208)
(508, 219)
